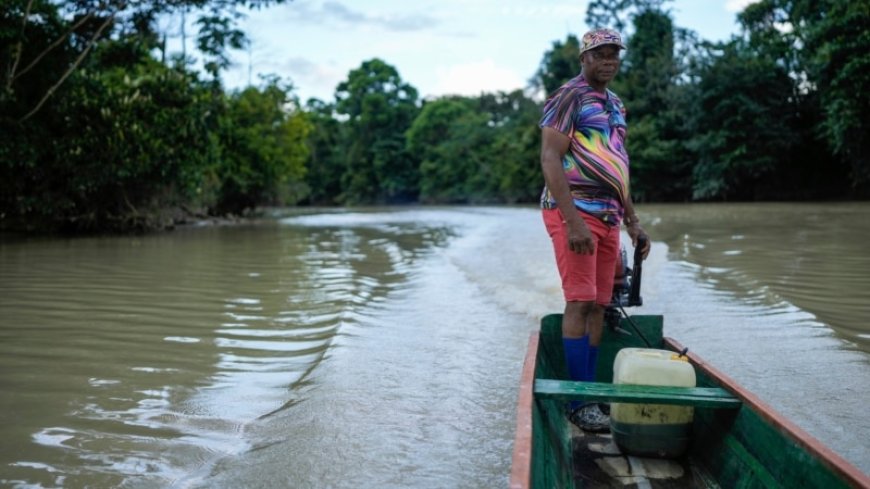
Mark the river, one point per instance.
(381, 348)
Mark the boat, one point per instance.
(735, 440)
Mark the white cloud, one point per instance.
(449, 46)
(475, 77)
(334, 12)
(319, 79)
(737, 5)
(523, 10)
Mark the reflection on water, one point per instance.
(139, 358)
(776, 296)
(811, 256)
(382, 349)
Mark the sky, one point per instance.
(440, 47)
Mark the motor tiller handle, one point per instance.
(634, 298)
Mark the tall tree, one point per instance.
(515, 149)
(86, 23)
(445, 164)
(380, 107)
(325, 163)
(822, 46)
(132, 140)
(263, 135)
(478, 150)
(747, 130)
(657, 106)
(839, 63)
(617, 14)
(125, 142)
(559, 64)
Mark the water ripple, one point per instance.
(148, 356)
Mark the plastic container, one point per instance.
(652, 430)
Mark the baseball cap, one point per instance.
(600, 37)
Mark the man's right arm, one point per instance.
(554, 145)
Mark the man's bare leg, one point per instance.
(582, 318)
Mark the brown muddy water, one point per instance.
(382, 347)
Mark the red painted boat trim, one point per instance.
(521, 464)
(836, 463)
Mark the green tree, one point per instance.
(839, 62)
(128, 142)
(559, 64)
(821, 45)
(478, 150)
(325, 163)
(380, 107)
(617, 14)
(125, 145)
(516, 141)
(747, 130)
(264, 148)
(443, 138)
(657, 105)
(89, 23)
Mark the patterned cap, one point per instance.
(600, 37)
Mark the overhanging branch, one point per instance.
(73, 67)
(19, 47)
(13, 76)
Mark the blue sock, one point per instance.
(577, 358)
(592, 362)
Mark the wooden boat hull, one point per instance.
(737, 440)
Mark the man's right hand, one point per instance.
(579, 237)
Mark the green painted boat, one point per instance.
(735, 440)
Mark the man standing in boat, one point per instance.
(586, 197)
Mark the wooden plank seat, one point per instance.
(703, 397)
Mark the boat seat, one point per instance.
(702, 397)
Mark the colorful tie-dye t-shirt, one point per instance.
(596, 163)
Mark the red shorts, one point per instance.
(585, 278)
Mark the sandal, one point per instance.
(592, 417)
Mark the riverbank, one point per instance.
(139, 222)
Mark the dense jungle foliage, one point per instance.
(101, 130)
